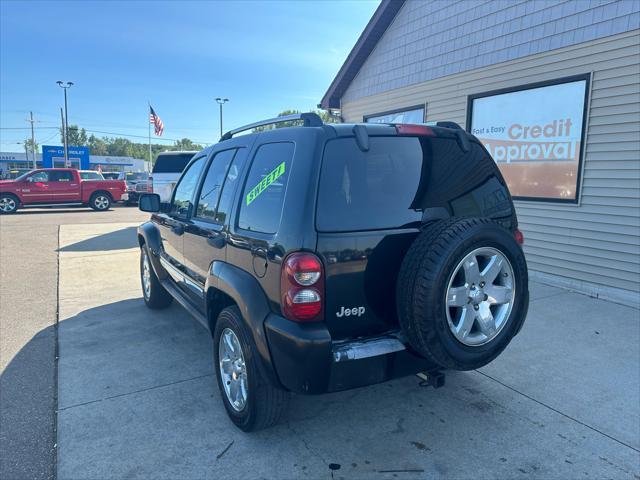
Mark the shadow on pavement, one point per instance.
(117, 240)
(27, 406)
(34, 211)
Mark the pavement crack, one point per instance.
(569, 417)
(221, 454)
(308, 447)
(135, 391)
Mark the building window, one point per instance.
(415, 114)
(535, 133)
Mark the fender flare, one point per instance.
(148, 234)
(250, 298)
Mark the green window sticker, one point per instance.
(265, 182)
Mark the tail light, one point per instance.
(150, 185)
(410, 129)
(302, 287)
(519, 236)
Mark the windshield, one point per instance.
(24, 175)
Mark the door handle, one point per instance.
(177, 228)
(217, 240)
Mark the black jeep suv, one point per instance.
(326, 257)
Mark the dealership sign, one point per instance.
(535, 135)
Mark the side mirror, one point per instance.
(149, 202)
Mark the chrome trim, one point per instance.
(367, 348)
(181, 277)
(171, 270)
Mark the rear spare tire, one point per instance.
(462, 292)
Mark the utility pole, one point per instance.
(33, 141)
(221, 101)
(64, 139)
(65, 124)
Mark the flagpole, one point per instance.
(149, 124)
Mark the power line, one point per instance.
(108, 133)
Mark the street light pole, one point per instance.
(66, 121)
(221, 101)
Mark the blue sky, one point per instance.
(265, 56)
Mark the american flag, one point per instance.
(154, 119)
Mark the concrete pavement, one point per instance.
(28, 311)
(137, 397)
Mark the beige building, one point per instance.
(552, 88)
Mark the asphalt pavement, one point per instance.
(28, 315)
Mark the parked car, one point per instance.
(137, 184)
(14, 173)
(167, 170)
(59, 187)
(251, 244)
(90, 175)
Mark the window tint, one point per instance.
(264, 191)
(40, 177)
(185, 189)
(60, 176)
(369, 190)
(229, 187)
(172, 162)
(212, 184)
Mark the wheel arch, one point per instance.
(233, 286)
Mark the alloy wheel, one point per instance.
(480, 296)
(7, 204)
(233, 370)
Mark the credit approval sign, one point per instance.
(535, 135)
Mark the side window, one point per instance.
(60, 176)
(212, 185)
(183, 194)
(229, 187)
(264, 191)
(42, 177)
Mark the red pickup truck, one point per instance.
(58, 186)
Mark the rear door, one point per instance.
(365, 225)
(172, 224)
(64, 186)
(206, 233)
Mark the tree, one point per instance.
(186, 144)
(30, 145)
(76, 136)
(97, 146)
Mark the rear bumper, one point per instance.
(124, 197)
(306, 360)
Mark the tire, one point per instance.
(154, 294)
(449, 318)
(8, 204)
(100, 201)
(264, 403)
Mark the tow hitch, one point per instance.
(433, 379)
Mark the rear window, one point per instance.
(173, 163)
(369, 190)
(134, 176)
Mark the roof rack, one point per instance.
(310, 120)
